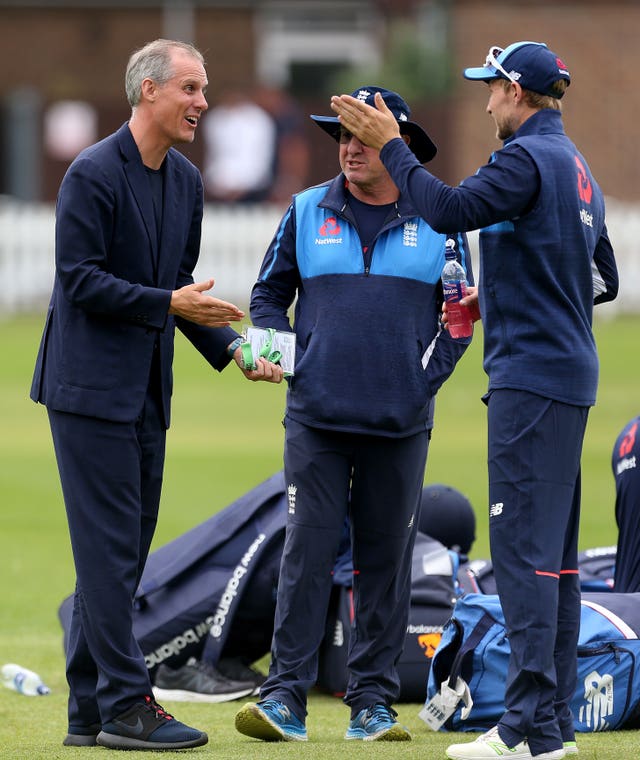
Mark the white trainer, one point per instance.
(489, 746)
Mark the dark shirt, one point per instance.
(156, 184)
(369, 218)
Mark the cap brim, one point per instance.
(420, 143)
(330, 124)
(481, 73)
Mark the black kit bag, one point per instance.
(211, 592)
(597, 568)
(433, 595)
(213, 585)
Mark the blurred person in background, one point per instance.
(545, 259)
(624, 463)
(291, 157)
(240, 150)
(127, 239)
(370, 358)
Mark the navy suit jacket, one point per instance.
(113, 283)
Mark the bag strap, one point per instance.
(474, 638)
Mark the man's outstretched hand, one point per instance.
(192, 303)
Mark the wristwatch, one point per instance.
(231, 348)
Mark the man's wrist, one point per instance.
(233, 346)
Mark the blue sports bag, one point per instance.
(465, 690)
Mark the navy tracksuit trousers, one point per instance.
(378, 482)
(534, 453)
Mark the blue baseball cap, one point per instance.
(531, 64)
(419, 142)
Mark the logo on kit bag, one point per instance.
(429, 643)
(188, 639)
(598, 695)
(233, 586)
(212, 625)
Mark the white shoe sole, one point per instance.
(482, 752)
(178, 695)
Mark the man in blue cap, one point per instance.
(370, 357)
(545, 260)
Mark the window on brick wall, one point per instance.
(302, 45)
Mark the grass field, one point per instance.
(225, 438)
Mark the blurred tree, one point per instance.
(411, 66)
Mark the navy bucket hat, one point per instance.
(531, 64)
(419, 142)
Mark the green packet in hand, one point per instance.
(277, 346)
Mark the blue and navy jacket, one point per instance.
(545, 255)
(370, 351)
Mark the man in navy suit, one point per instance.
(128, 222)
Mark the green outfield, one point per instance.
(226, 436)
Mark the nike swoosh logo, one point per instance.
(136, 729)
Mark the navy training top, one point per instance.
(545, 255)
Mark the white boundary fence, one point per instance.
(234, 239)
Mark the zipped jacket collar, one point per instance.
(336, 200)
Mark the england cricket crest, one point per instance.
(292, 490)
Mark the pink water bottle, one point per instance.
(454, 286)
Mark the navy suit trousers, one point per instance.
(111, 475)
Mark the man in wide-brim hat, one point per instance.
(370, 356)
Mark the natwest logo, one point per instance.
(330, 227)
(628, 442)
(585, 191)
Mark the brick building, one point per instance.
(59, 52)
